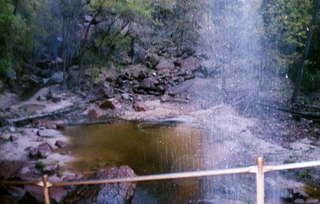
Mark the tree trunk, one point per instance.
(299, 79)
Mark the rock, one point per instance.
(94, 114)
(54, 97)
(151, 60)
(73, 177)
(48, 133)
(57, 193)
(56, 78)
(41, 98)
(42, 151)
(105, 91)
(50, 169)
(29, 173)
(165, 65)
(148, 83)
(105, 193)
(181, 88)
(32, 152)
(61, 144)
(139, 106)
(126, 96)
(110, 104)
(7, 99)
(190, 63)
(12, 129)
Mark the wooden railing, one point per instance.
(260, 169)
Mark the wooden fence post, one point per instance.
(45, 188)
(260, 180)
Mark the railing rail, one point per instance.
(259, 170)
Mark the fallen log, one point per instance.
(40, 116)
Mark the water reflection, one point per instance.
(148, 150)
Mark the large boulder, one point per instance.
(117, 193)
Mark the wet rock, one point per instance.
(48, 133)
(165, 65)
(110, 104)
(94, 114)
(105, 193)
(61, 144)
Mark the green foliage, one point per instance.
(14, 38)
(40, 165)
(127, 9)
(287, 23)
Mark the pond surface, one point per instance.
(148, 149)
(153, 148)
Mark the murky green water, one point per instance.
(151, 148)
(148, 150)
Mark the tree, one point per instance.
(11, 45)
